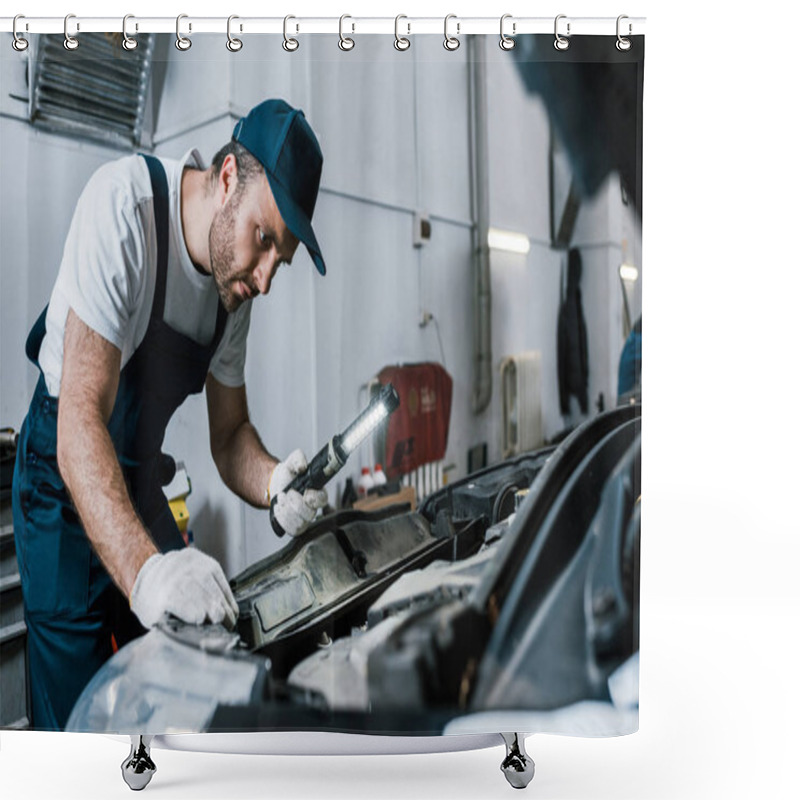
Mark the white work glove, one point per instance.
(186, 583)
(293, 511)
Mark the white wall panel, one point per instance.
(362, 111)
(196, 89)
(366, 309)
(207, 139)
(262, 69)
(519, 137)
(447, 293)
(442, 109)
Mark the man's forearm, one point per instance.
(245, 465)
(93, 476)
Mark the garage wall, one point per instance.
(393, 128)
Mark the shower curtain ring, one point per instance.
(233, 44)
(289, 44)
(400, 42)
(70, 42)
(451, 42)
(345, 42)
(623, 44)
(183, 43)
(19, 44)
(128, 42)
(506, 42)
(561, 43)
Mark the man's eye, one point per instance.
(263, 238)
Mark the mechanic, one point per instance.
(150, 306)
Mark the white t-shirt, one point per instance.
(108, 273)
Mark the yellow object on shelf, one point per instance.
(180, 511)
(176, 493)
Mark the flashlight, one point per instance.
(333, 456)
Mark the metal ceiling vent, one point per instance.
(97, 92)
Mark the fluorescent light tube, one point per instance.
(509, 241)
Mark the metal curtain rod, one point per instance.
(457, 26)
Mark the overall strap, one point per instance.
(35, 337)
(158, 179)
(219, 328)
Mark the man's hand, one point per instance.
(293, 511)
(186, 583)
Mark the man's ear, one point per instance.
(228, 178)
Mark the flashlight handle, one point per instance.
(300, 483)
(314, 477)
(276, 526)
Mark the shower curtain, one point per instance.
(455, 182)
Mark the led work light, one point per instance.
(333, 456)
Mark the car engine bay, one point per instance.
(513, 588)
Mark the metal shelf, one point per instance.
(14, 631)
(6, 533)
(10, 582)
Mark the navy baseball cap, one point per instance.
(282, 140)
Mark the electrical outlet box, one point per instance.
(422, 228)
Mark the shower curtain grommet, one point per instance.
(18, 43)
(128, 42)
(623, 44)
(70, 42)
(233, 44)
(451, 43)
(183, 43)
(345, 42)
(289, 44)
(561, 42)
(401, 43)
(506, 42)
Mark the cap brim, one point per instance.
(297, 222)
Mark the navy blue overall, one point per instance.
(72, 607)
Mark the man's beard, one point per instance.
(221, 252)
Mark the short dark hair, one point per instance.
(247, 165)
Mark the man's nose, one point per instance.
(263, 273)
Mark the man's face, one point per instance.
(248, 240)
